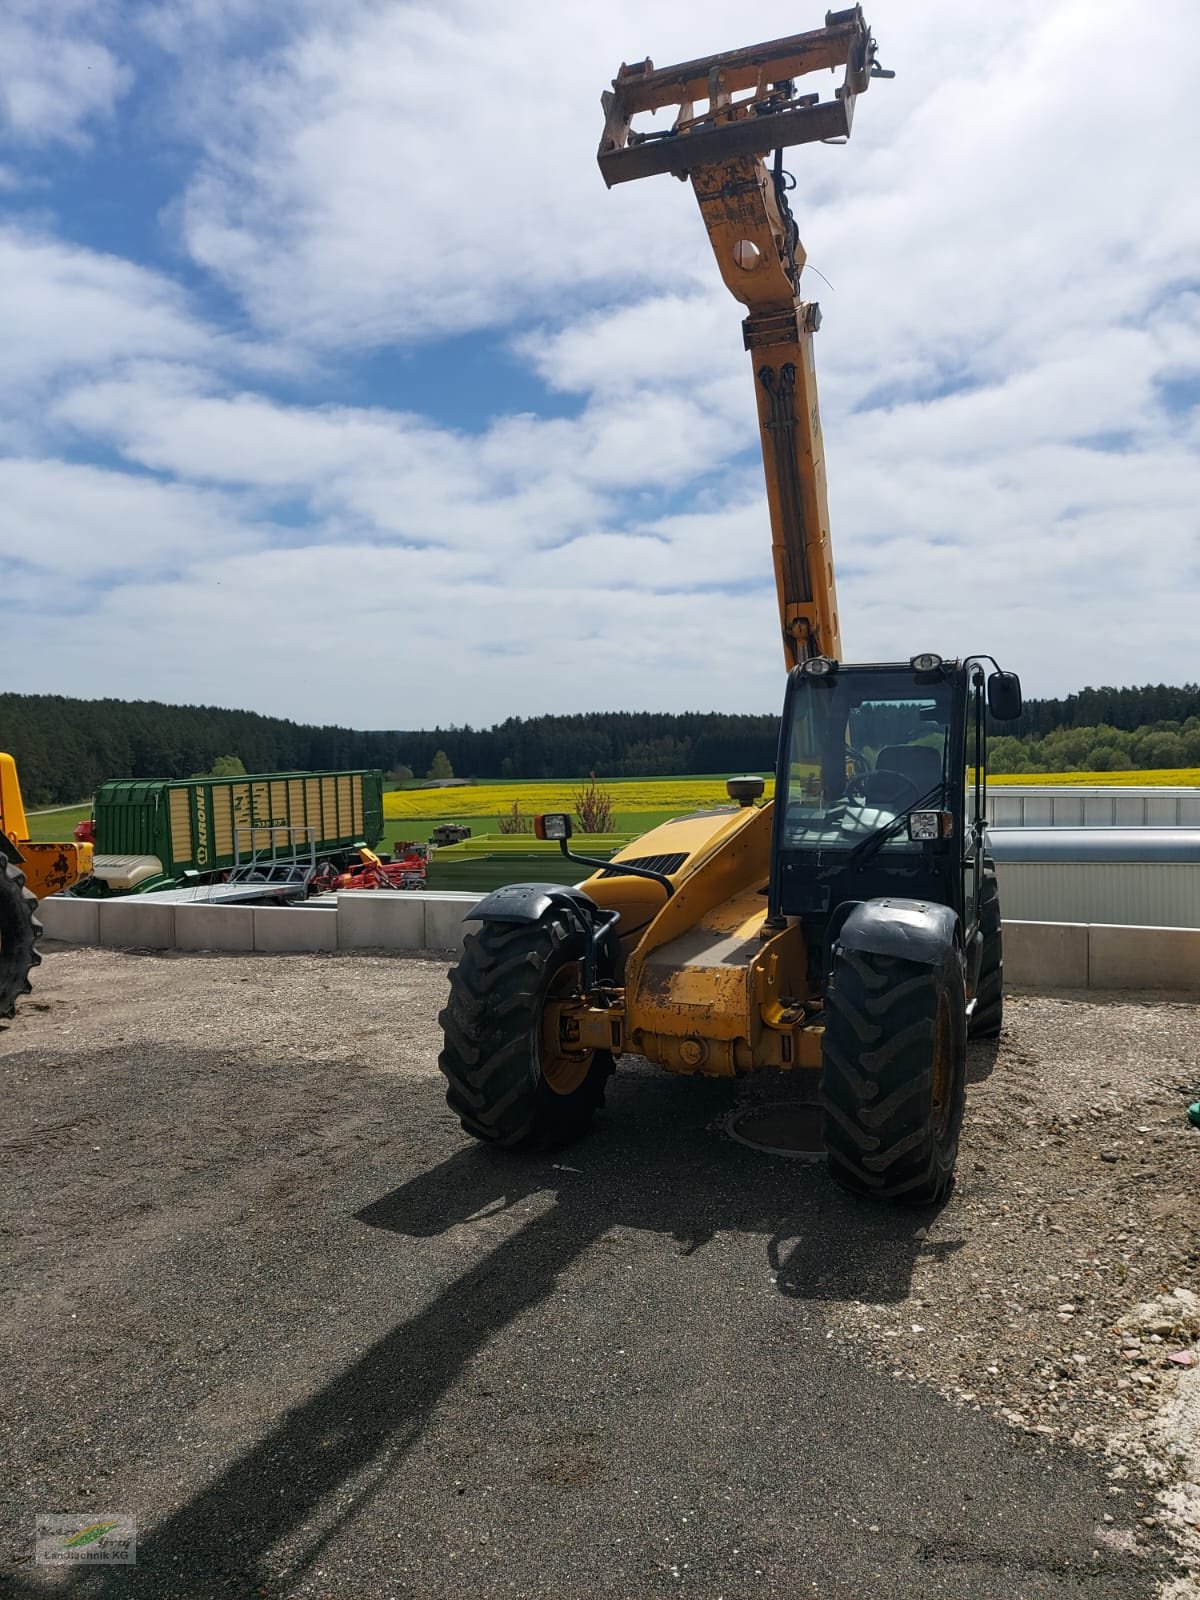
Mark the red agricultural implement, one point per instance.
(406, 869)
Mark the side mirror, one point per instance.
(553, 825)
(1004, 696)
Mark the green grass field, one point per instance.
(420, 828)
(45, 826)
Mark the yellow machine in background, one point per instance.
(850, 928)
(49, 867)
(29, 872)
(19, 928)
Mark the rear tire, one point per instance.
(988, 1016)
(19, 933)
(325, 875)
(507, 1084)
(893, 1074)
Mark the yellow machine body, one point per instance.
(708, 985)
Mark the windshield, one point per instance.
(864, 747)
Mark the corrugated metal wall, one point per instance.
(1081, 806)
(1133, 893)
(1150, 894)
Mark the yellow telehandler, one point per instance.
(851, 927)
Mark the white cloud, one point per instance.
(661, 342)
(68, 528)
(58, 77)
(410, 172)
(400, 472)
(65, 309)
(1011, 264)
(338, 635)
(68, 313)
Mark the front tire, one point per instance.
(19, 931)
(893, 1074)
(510, 1081)
(987, 1017)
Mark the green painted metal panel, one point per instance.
(204, 825)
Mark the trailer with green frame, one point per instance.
(155, 834)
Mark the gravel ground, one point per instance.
(1058, 1285)
(261, 1292)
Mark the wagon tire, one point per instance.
(19, 934)
(987, 1016)
(893, 1074)
(325, 875)
(508, 1082)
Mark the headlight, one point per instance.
(925, 663)
(552, 825)
(930, 825)
(818, 666)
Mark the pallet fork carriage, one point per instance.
(850, 928)
(770, 117)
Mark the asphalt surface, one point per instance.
(265, 1295)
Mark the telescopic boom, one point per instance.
(732, 110)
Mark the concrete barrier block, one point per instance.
(444, 925)
(1144, 958)
(75, 921)
(1046, 955)
(136, 924)
(380, 919)
(280, 929)
(201, 927)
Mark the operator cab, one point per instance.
(881, 789)
(864, 745)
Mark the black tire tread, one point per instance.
(876, 1075)
(488, 1025)
(987, 1018)
(19, 933)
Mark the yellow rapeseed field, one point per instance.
(490, 799)
(1160, 777)
(677, 794)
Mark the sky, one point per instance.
(335, 384)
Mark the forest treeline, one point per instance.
(65, 747)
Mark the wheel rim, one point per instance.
(563, 1070)
(942, 1067)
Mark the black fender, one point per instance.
(913, 930)
(529, 902)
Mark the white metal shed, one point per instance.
(1136, 877)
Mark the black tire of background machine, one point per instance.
(491, 1054)
(893, 1074)
(19, 932)
(986, 1019)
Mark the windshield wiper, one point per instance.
(889, 830)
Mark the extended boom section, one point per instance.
(751, 106)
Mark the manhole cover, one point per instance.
(781, 1128)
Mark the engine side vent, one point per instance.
(665, 864)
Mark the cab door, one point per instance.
(974, 818)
